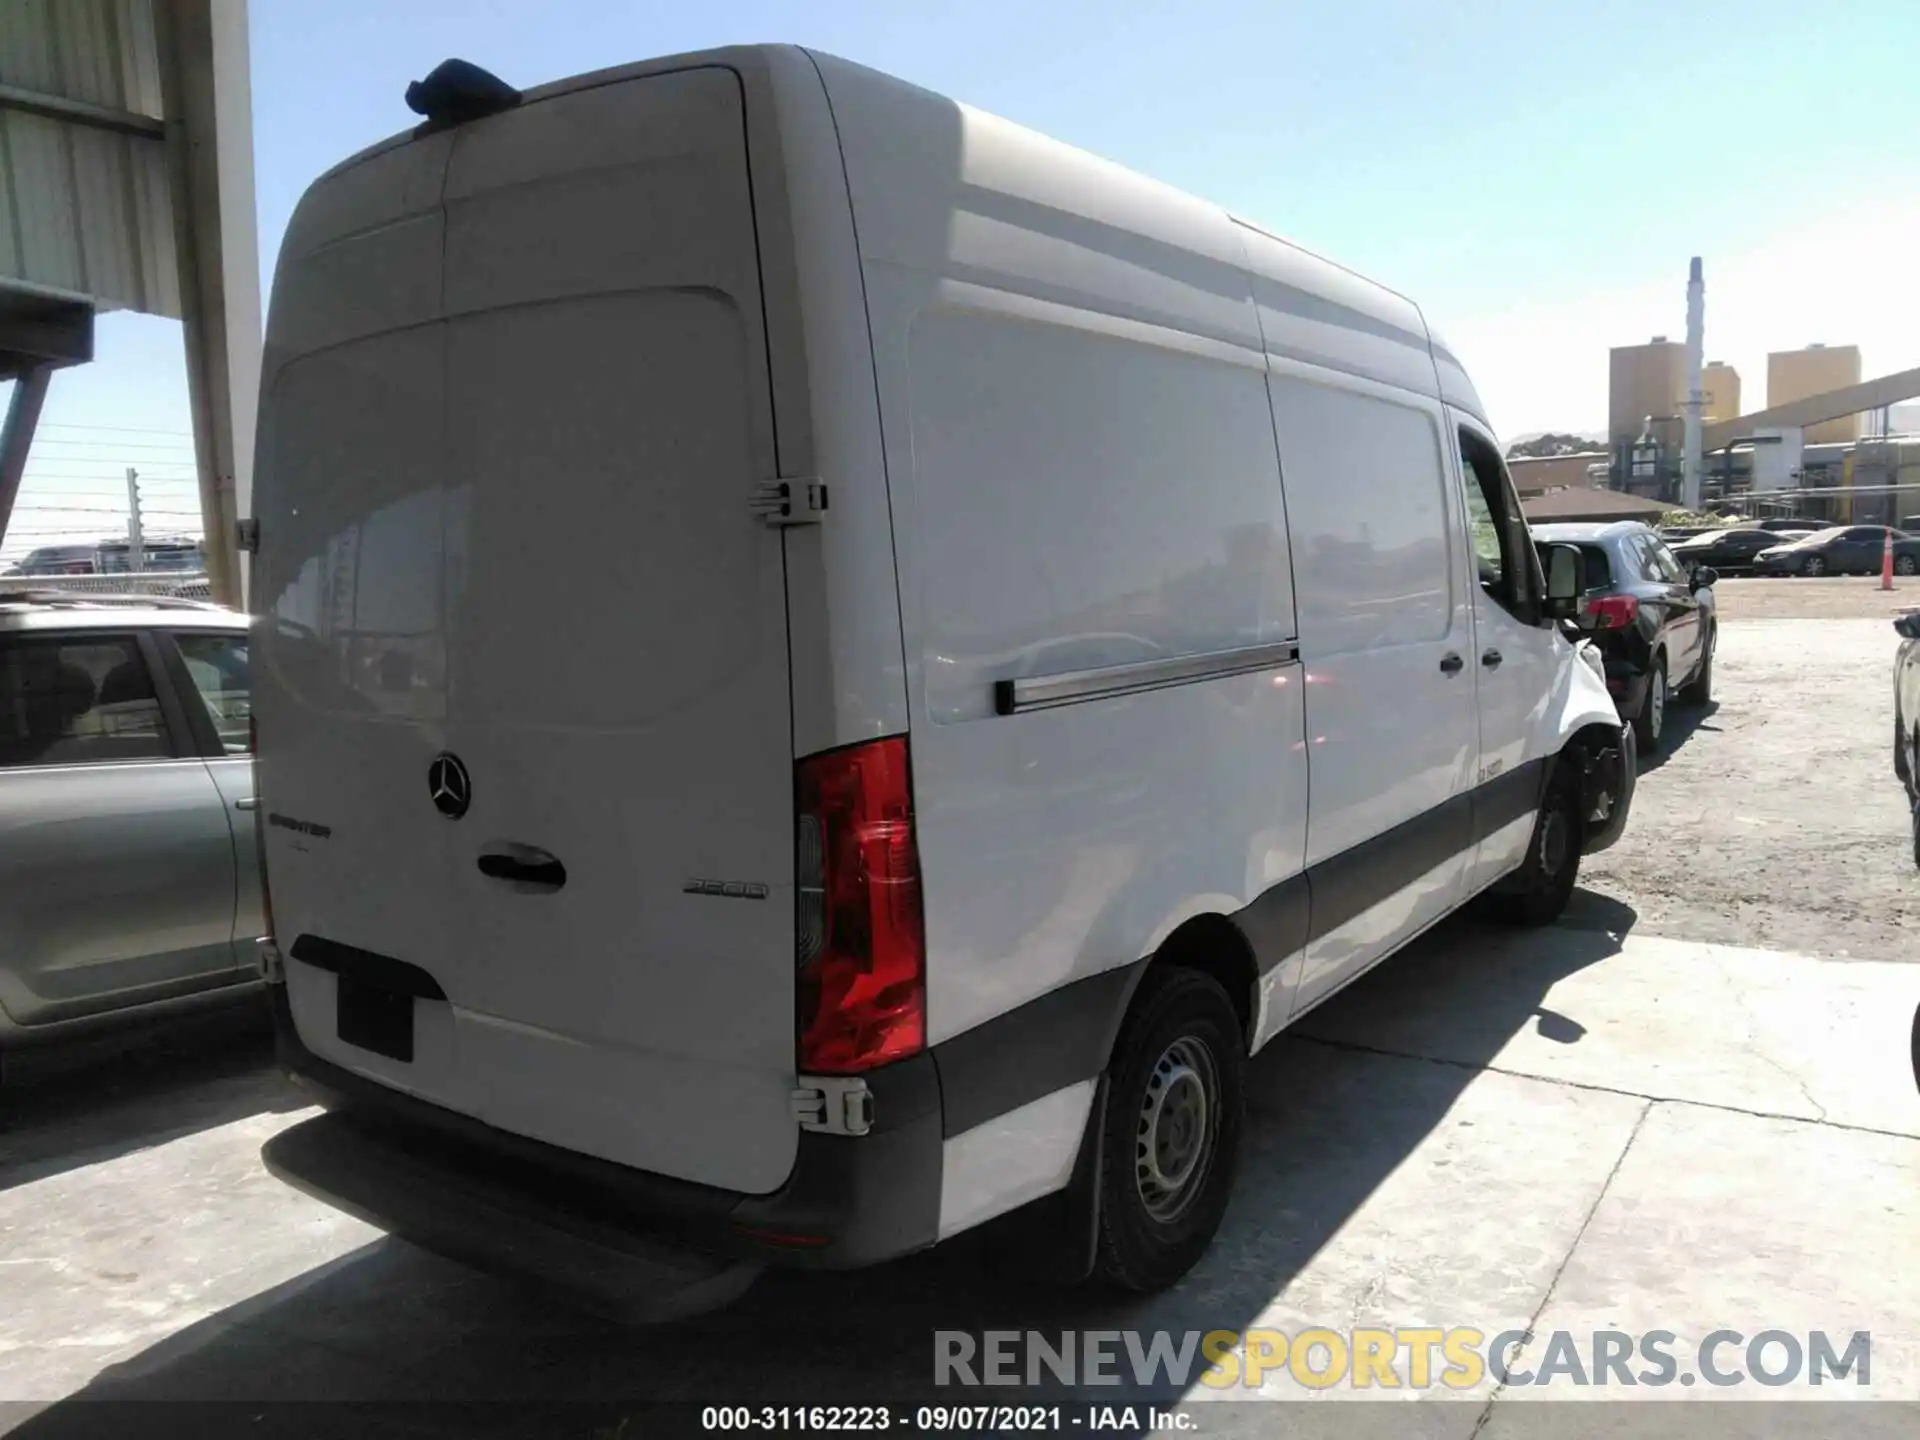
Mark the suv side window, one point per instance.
(77, 700)
(1665, 567)
(1502, 548)
(218, 665)
(1640, 555)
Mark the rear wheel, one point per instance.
(1699, 690)
(1652, 719)
(1905, 565)
(1538, 891)
(1172, 1130)
(1814, 566)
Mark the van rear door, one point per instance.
(593, 649)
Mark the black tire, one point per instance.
(1181, 1041)
(1916, 834)
(1915, 1043)
(1813, 567)
(1651, 722)
(1905, 565)
(1539, 890)
(1900, 770)
(1699, 690)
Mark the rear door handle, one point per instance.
(523, 867)
(1491, 659)
(1452, 664)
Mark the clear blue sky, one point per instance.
(1534, 172)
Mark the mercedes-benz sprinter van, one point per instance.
(829, 667)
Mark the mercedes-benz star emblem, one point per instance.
(448, 784)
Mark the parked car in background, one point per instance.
(110, 557)
(1728, 551)
(58, 560)
(1654, 624)
(1906, 717)
(1790, 525)
(168, 555)
(125, 774)
(1842, 550)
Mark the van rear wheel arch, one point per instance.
(1215, 946)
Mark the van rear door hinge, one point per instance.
(834, 1104)
(801, 501)
(246, 534)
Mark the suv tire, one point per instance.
(1651, 722)
(1699, 690)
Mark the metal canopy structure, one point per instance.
(40, 331)
(1829, 405)
(126, 182)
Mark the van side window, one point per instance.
(1501, 547)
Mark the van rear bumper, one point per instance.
(466, 1189)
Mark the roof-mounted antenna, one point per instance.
(458, 91)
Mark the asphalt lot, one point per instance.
(1686, 1107)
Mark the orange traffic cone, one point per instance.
(1886, 562)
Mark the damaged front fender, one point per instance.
(1609, 771)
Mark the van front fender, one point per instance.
(1583, 728)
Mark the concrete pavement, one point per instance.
(1561, 1130)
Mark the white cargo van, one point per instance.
(830, 667)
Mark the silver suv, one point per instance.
(129, 877)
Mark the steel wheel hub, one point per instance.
(1173, 1142)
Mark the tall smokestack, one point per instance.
(1696, 346)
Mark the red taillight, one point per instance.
(863, 995)
(1613, 612)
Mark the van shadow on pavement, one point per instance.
(1328, 1123)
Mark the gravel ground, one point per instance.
(1772, 818)
(1848, 598)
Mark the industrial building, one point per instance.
(1800, 374)
(1676, 432)
(1719, 391)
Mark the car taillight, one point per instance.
(862, 949)
(1613, 612)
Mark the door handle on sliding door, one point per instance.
(1491, 659)
(1451, 664)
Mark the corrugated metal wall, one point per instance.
(83, 209)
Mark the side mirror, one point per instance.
(1566, 581)
(1908, 625)
(1704, 576)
